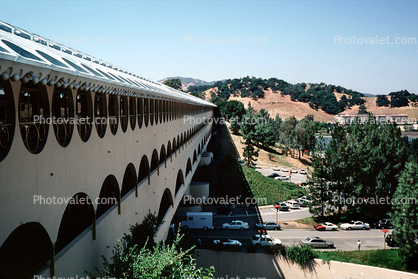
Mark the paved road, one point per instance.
(268, 213)
(295, 177)
(343, 240)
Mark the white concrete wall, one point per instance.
(234, 265)
(82, 167)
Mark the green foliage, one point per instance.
(157, 261)
(173, 83)
(270, 190)
(250, 152)
(300, 253)
(405, 215)
(379, 258)
(399, 98)
(363, 161)
(382, 101)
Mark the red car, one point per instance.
(326, 227)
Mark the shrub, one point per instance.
(301, 254)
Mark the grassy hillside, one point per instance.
(269, 191)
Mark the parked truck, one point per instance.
(198, 220)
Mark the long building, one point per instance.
(86, 149)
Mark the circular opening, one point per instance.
(113, 114)
(62, 115)
(84, 110)
(132, 112)
(124, 113)
(7, 120)
(100, 114)
(34, 117)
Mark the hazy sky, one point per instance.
(317, 41)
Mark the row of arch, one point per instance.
(29, 247)
(79, 109)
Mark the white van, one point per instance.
(293, 204)
(198, 220)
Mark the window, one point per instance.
(21, 51)
(52, 59)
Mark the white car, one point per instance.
(355, 225)
(235, 225)
(293, 204)
(303, 171)
(282, 177)
(276, 168)
(327, 226)
(293, 169)
(284, 169)
(229, 242)
(264, 241)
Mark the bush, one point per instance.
(301, 254)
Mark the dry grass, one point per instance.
(279, 158)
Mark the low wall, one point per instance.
(237, 265)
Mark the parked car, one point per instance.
(303, 171)
(355, 225)
(283, 206)
(293, 169)
(303, 202)
(384, 224)
(390, 241)
(269, 225)
(284, 169)
(274, 175)
(229, 242)
(327, 226)
(263, 240)
(293, 204)
(276, 168)
(240, 161)
(317, 242)
(282, 177)
(235, 225)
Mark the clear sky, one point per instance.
(297, 41)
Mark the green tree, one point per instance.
(305, 135)
(405, 215)
(288, 132)
(173, 83)
(382, 101)
(250, 153)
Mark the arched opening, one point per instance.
(130, 180)
(84, 111)
(155, 161)
(165, 111)
(77, 217)
(100, 114)
(144, 170)
(169, 151)
(113, 114)
(198, 149)
(182, 140)
(7, 119)
(179, 181)
(194, 156)
(33, 107)
(140, 103)
(163, 155)
(157, 111)
(132, 112)
(188, 167)
(166, 202)
(178, 142)
(124, 113)
(109, 195)
(25, 251)
(62, 113)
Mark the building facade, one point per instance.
(399, 119)
(86, 150)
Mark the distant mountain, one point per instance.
(186, 82)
